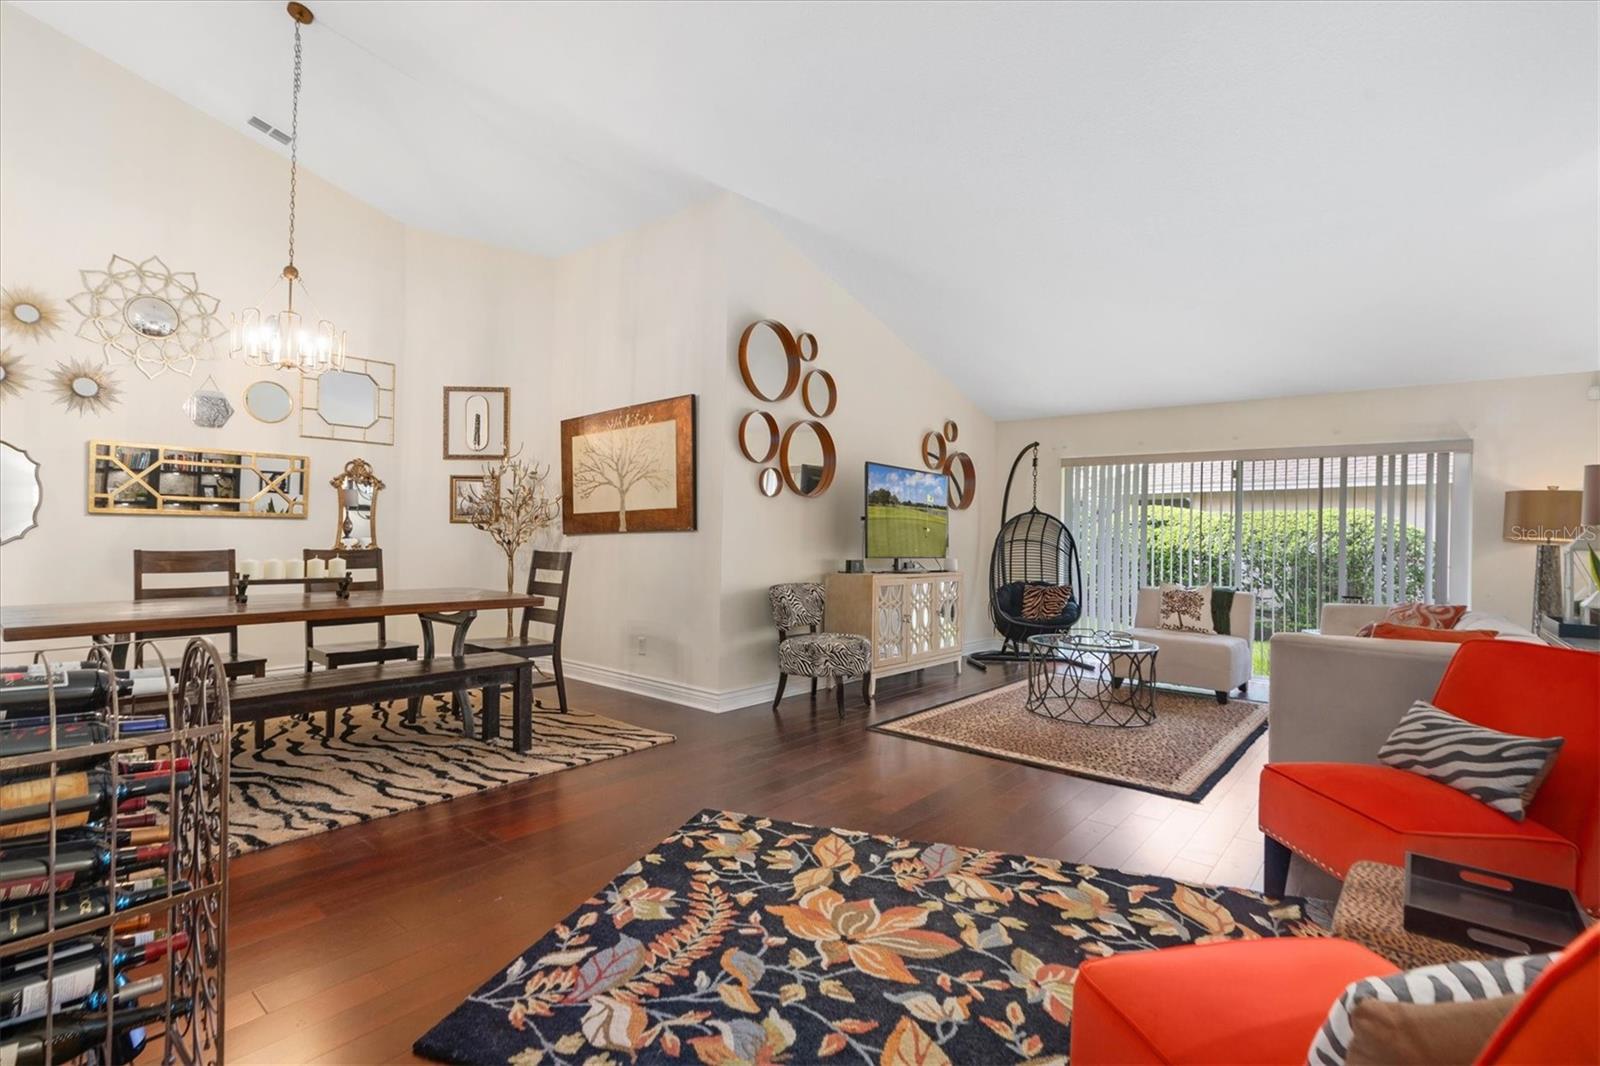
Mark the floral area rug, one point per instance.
(748, 940)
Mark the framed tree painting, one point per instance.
(631, 470)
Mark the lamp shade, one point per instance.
(1591, 495)
(1543, 515)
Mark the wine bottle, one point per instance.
(74, 734)
(148, 765)
(125, 993)
(139, 681)
(132, 830)
(24, 996)
(75, 1033)
(32, 916)
(25, 805)
(28, 695)
(65, 951)
(71, 860)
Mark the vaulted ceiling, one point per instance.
(1065, 207)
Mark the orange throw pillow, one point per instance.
(1391, 631)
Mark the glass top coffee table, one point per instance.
(1102, 678)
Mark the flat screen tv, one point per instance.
(908, 514)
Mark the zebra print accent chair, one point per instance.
(834, 656)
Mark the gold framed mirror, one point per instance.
(353, 404)
(357, 487)
(165, 479)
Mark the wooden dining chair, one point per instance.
(220, 564)
(377, 650)
(557, 568)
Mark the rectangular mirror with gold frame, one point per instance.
(164, 479)
(354, 404)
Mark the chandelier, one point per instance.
(284, 339)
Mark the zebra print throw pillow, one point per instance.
(1502, 770)
(1453, 982)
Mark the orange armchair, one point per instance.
(1337, 814)
(1262, 1001)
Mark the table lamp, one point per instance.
(1544, 517)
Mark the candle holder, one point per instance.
(242, 584)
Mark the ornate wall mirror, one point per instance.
(202, 482)
(20, 493)
(28, 314)
(207, 407)
(149, 314)
(356, 403)
(267, 401)
(358, 488)
(84, 387)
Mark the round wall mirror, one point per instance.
(806, 458)
(151, 316)
(346, 399)
(27, 314)
(86, 387)
(963, 480)
(769, 482)
(267, 401)
(819, 383)
(20, 493)
(769, 360)
(758, 437)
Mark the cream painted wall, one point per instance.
(97, 162)
(1526, 432)
(650, 314)
(888, 398)
(637, 318)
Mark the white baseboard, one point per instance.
(699, 697)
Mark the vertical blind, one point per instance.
(1298, 530)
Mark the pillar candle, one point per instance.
(250, 568)
(337, 567)
(316, 568)
(295, 568)
(272, 569)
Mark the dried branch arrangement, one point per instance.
(512, 507)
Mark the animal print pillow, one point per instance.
(1502, 770)
(1453, 982)
(1042, 603)
(1185, 609)
(1421, 615)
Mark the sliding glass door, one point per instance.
(1297, 529)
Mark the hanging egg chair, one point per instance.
(1032, 549)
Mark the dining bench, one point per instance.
(260, 699)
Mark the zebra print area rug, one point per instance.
(301, 783)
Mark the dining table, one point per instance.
(117, 623)
(59, 621)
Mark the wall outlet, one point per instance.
(638, 645)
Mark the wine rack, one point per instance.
(113, 857)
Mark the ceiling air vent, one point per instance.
(269, 129)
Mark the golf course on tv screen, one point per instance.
(907, 513)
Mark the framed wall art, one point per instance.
(631, 470)
(465, 492)
(475, 421)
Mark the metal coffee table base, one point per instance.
(1083, 688)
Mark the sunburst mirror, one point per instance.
(84, 387)
(27, 313)
(13, 375)
(147, 313)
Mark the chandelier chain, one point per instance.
(294, 141)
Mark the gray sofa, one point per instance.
(1336, 696)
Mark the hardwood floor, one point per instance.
(347, 946)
